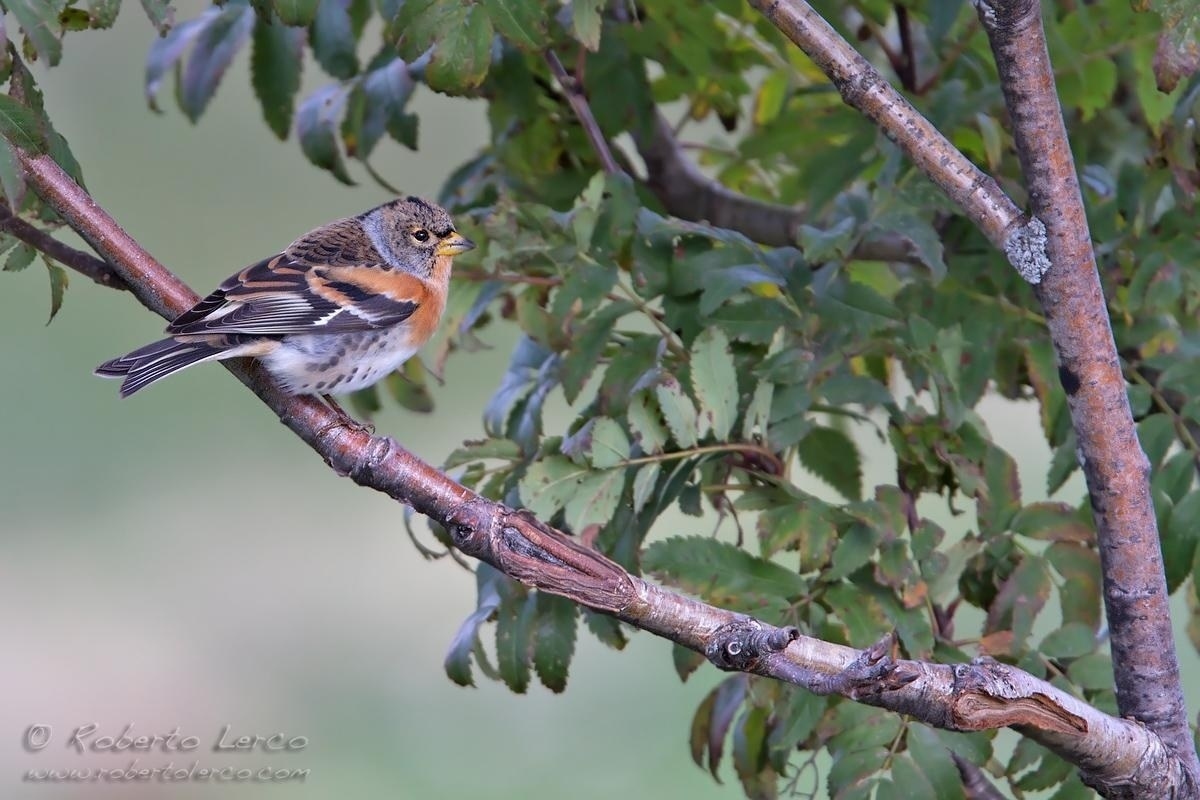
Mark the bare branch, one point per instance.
(1114, 465)
(985, 694)
(863, 88)
(83, 263)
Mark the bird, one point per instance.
(336, 311)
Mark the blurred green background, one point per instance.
(181, 560)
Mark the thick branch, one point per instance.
(81, 262)
(863, 88)
(985, 694)
(1117, 471)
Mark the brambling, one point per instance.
(339, 309)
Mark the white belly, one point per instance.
(339, 362)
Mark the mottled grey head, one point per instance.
(410, 233)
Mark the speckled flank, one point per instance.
(339, 363)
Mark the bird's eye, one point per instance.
(421, 235)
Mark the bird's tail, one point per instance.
(147, 364)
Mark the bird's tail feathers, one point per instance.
(147, 364)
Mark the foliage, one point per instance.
(709, 374)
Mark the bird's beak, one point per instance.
(454, 244)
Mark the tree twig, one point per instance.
(985, 694)
(83, 263)
(583, 112)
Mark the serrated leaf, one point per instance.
(649, 432)
(605, 628)
(316, 127)
(686, 661)
(1072, 640)
(387, 90)
(213, 51)
(714, 381)
(332, 39)
(504, 449)
(161, 15)
(586, 496)
(522, 22)
(58, 287)
(39, 19)
(728, 698)
(719, 570)
(1054, 522)
(554, 640)
(514, 632)
(678, 411)
(167, 51)
(275, 62)
(854, 549)
(586, 22)
(296, 12)
(12, 179)
(409, 388)
(749, 749)
(834, 458)
(458, 658)
(644, 483)
(462, 55)
(935, 762)
(19, 258)
(19, 125)
(610, 445)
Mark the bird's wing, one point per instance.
(291, 294)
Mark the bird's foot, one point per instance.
(345, 421)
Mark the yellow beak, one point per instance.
(454, 244)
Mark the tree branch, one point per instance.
(984, 694)
(83, 263)
(1114, 465)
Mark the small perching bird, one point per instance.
(339, 309)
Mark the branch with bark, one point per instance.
(1115, 755)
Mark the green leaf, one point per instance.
(19, 125)
(58, 287)
(588, 341)
(332, 39)
(514, 632)
(161, 15)
(686, 661)
(1070, 641)
(316, 126)
(715, 569)
(586, 22)
(103, 13)
(1180, 538)
(387, 91)
(554, 640)
(458, 659)
(215, 46)
(409, 388)
(39, 19)
(168, 50)
(644, 483)
(557, 483)
(646, 423)
(750, 752)
(854, 549)
(275, 62)
(1053, 522)
(19, 258)
(610, 445)
(678, 411)
(605, 628)
(522, 22)
(503, 449)
(463, 50)
(832, 456)
(12, 178)
(714, 381)
(296, 12)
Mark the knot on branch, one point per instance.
(988, 694)
(737, 646)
